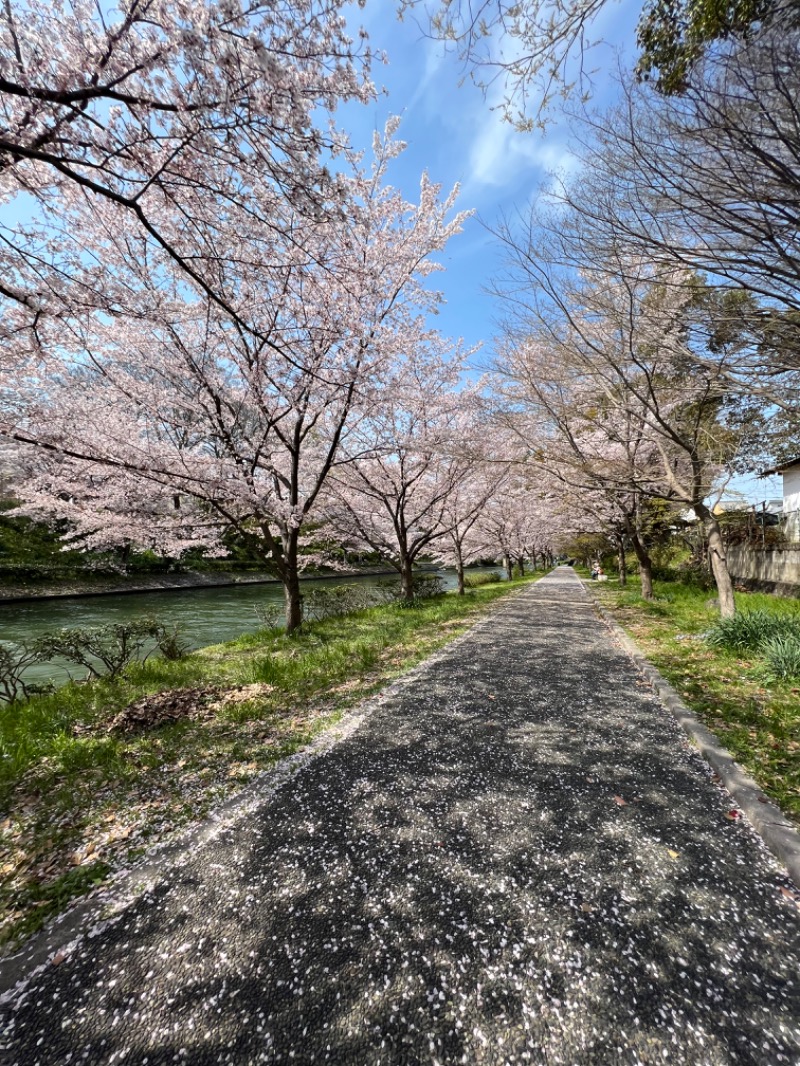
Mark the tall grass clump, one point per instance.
(474, 581)
(753, 630)
(782, 657)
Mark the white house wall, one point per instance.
(791, 502)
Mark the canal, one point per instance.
(204, 615)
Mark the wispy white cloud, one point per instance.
(502, 158)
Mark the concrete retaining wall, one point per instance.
(773, 569)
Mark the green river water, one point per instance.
(205, 615)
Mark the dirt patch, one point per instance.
(175, 705)
(161, 708)
(243, 694)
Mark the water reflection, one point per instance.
(205, 615)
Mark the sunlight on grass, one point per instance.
(755, 714)
(83, 797)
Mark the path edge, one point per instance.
(89, 915)
(769, 821)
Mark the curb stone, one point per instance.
(90, 915)
(777, 832)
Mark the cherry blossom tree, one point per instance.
(599, 453)
(462, 542)
(402, 467)
(166, 425)
(625, 342)
(165, 115)
(521, 521)
(540, 51)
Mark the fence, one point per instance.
(761, 527)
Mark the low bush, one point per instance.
(104, 651)
(426, 587)
(14, 661)
(474, 581)
(171, 644)
(336, 601)
(269, 615)
(782, 656)
(751, 630)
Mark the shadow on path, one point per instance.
(516, 859)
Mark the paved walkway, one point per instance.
(516, 859)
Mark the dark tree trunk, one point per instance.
(407, 579)
(460, 570)
(509, 567)
(290, 575)
(521, 565)
(621, 564)
(645, 566)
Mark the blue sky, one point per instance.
(453, 132)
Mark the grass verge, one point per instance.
(756, 717)
(87, 783)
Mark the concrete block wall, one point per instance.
(778, 566)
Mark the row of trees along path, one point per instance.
(516, 857)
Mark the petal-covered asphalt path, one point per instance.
(515, 859)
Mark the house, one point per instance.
(790, 472)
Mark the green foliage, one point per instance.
(782, 656)
(14, 661)
(725, 686)
(171, 643)
(105, 650)
(674, 34)
(474, 581)
(426, 587)
(50, 899)
(752, 630)
(336, 601)
(589, 546)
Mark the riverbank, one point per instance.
(106, 586)
(93, 775)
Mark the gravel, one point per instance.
(518, 858)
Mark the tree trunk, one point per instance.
(719, 562)
(407, 579)
(291, 587)
(521, 565)
(621, 565)
(508, 566)
(460, 570)
(645, 566)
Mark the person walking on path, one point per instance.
(516, 858)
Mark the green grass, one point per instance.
(728, 682)
(82, 800)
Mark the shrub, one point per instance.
(270, 615)
(750, 630)
(336, 601)
(782, 655)
(14, 661)
(474, 581)
(104, 651)
(426, 587)
(171, 644)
